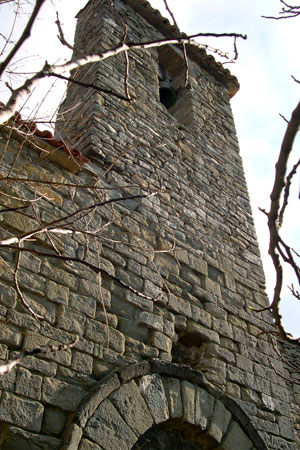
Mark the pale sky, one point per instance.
(266, 61)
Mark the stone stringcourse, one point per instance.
(180, 359)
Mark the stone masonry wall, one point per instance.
(190, 249)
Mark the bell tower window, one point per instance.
(167, 93)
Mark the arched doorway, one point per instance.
(160, 406)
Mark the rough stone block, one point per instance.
(236, 438)
(59, 275)
(286, 428)
(132, 407)
(149, 320)
(61, 394)
(39, 365)
(85, 305)
(198, 264)
(188, 401)
(169, 328)
(85, 444)
(8, 296)
(82, 363)
(33, 341)
(152, 389)
(220, 421)
(7, 380)
(98, 332)
(30, 262)
(138, 301)
(54, 421)
(179, 306)
(204, 406)
(173, 394)
(58, 293)
(95, 396)
(24, 413)
(202, 332)
(71, 320)
(107, 427)
(28, 384)
(10, 336)
(161, 341)
(17, 438)
(3, 351)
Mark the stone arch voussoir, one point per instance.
(150, 395)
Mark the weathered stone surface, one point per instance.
(58, 393)
(39, 365)
(152, 389)
(179, 306)
(16, 438)
(134, 371)
(172, 388)
(204, 406)
(85, 444)
(28, 384)
(194, 240)
(202, 332)
(10, 336)
(57, 292)
(149, 320)
(71, 320)
(188, 401)
(220, 421)
(95, 396)
(27, 414)
(160, 341)
(33, 341)
(8, 296)
(85, 305)
(54, 421)
(132, 407)
(7, 381)
(98, 332)
(82, 363)
(236, 438)
(107, 426)
(72, 438)
(140, 302)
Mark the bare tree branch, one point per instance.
(7, 111)
(61, 36)
(287, 12)
(25, 35)
(7, 367)
(287, 192)
(274, 213)
(183, 45)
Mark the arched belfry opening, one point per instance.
(167, 93)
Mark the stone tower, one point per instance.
(170, 353)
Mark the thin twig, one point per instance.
(61, 36)
(96, 269)
(287, 191)
(7, 111)
(9, 365)
(186, 80)
(25, 35)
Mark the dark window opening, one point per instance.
(188, 350)
(173, 93)
(167, 92)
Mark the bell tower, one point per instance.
(191, 248)
(154, 271)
